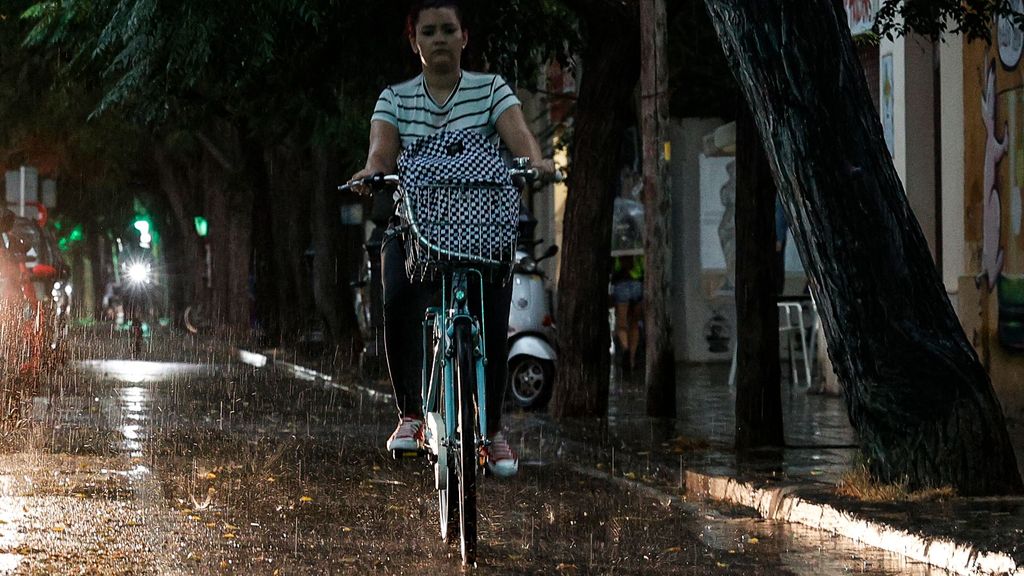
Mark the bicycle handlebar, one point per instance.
(380, 181)
(373, 182)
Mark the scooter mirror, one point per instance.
(551, 251)
(17, 246)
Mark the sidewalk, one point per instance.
(692, 454)
(962, 535)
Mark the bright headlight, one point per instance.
(138, 273)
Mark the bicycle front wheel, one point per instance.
(467, 455)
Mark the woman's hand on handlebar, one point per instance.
(365, 182)
(356, 184)
(545, 167)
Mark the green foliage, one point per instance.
(934, 18)
(274, 63)
(516, 36)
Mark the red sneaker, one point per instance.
(501, 459)
(408, 436)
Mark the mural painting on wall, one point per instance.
(860, 14)
(994, 148)
(887, 102)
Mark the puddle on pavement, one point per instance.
(807, 552)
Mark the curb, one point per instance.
(783, 504)
(257, 360)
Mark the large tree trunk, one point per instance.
(338, 249)
(917, 395)
(758, 395)
(185, 267)
(289, 215)
(611, 69)
(660, 364)
(229, 197)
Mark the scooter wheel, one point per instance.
(531, 381)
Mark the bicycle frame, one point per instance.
(454, 346)
(438, 351)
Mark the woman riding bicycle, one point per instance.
(443, 97)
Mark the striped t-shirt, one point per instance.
(475, 104)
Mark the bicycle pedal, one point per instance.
(406, 454)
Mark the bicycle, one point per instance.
(453, 375)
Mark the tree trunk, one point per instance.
(917, 395)
(186, 267)
(215, 208)
(611, 69)
(758, 395)
(337, 249)
(289, 214)
(659, 359)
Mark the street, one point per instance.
(187, 461)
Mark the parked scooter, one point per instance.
(531, 332)
(368, 293)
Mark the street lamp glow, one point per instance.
(138, 273)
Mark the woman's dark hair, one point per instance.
(421, 5)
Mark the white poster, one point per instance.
(717, 212)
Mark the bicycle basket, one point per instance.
(459, 205)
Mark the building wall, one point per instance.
(700, 307)
(991, 289)
(913, 125)
(951, 88)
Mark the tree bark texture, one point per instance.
(758, 394)
(229, 202)
(611, 64)
(338, 250)
(289, 207)
(920, 400)
(659, 359)
(186, 263)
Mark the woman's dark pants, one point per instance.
(404, 305)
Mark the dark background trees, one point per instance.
(254, 112)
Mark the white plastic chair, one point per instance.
(791, 324)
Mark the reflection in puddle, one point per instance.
(11, 516)
(808, 552)
(137, 372)
(134, 401)
(10, 562)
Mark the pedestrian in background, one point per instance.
(628, 299)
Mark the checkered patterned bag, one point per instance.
(459, 205)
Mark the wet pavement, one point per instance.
(190, 462)
(798, 483)
(795, 485)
